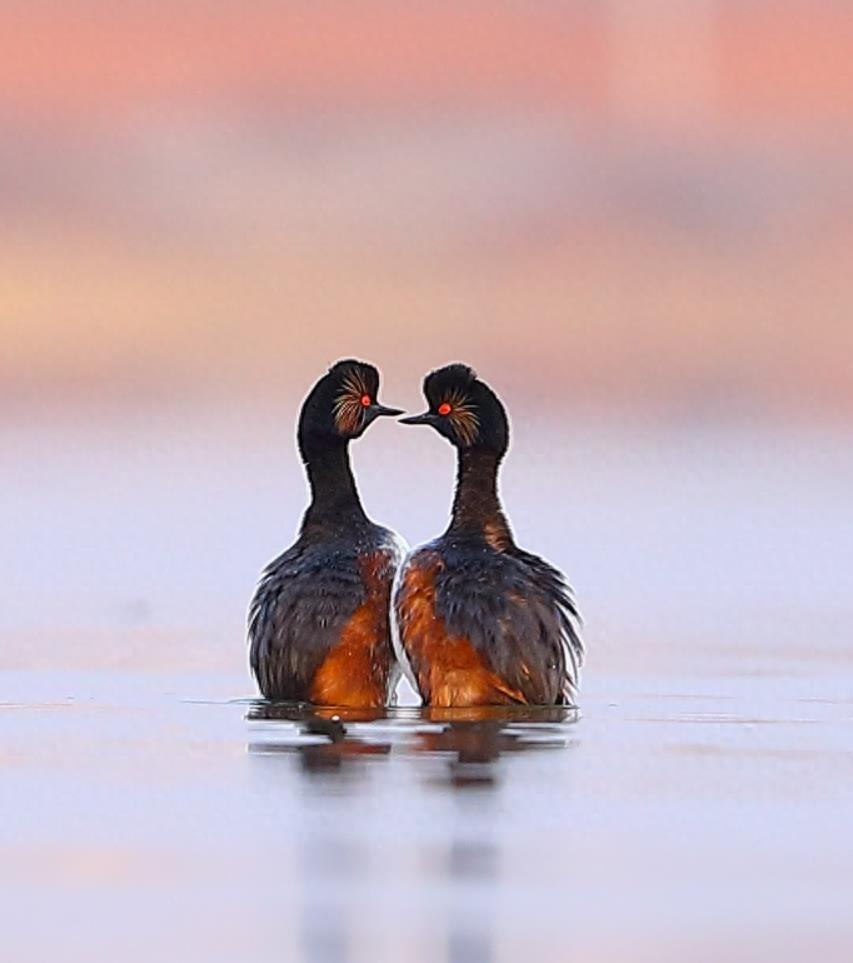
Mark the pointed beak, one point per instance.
(427, 418)
(377, 411)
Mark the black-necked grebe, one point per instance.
(479, 621)
(319, 621)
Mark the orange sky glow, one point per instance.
(215, 198)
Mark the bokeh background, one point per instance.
(638, 203)
(635, 219)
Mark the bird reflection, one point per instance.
(338, 747)
(476, 737)
(457, 750)
(473, 740)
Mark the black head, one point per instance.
(463, 409)
(342, 404)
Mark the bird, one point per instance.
(477, 620)
(318, 624)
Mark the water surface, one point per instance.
(697, 807)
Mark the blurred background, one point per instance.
(615, 203)
(635, 219)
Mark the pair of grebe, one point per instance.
(471, 618)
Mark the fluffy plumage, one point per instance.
(478, 620)
(318, 624)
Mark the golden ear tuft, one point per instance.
(350, 403)
(463, 417)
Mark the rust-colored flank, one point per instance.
(449, 670)
(355, 673)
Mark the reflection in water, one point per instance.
(336, 746)
(471, 864)
(475, 738)
(326, 924)
(328, 866)
(451, 749)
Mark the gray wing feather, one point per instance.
(518, 613)
(302, 603)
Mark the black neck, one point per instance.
(334, 497)
(477, 506)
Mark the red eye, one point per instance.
(444, 409)
(365, 400)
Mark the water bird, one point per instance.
(476, 619)
(319, 627)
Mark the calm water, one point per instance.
(699, 806)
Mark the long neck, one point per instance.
(334, 497)
(476, 505)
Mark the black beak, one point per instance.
(377, 411)
(427, 418)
